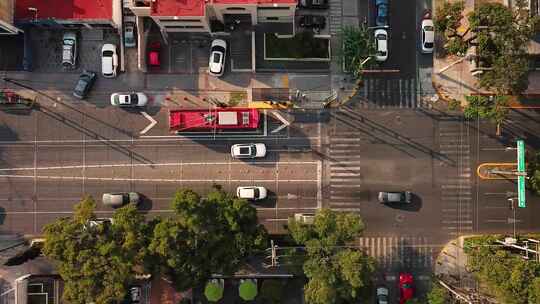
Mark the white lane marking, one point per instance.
(285, 123)
(159, 179)
(156, 165)
(319, 184)
(149, 138)
(153, 122)
(276, 220)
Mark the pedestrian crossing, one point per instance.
(399, 252)
(383, 91)
(345, 171)
(456, 188)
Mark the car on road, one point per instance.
(218, 50)
(129, 99)
(129, 35)
(248, 150)
(120, 199)
(84, 84)
(382, 295)
(381, 40)
(109, 60)
(69, 49)
(317, 4)
(251, 192)
(395, 197)
(315, 22)
(305, 218)
(428, 36)
(406, 287)
(381, 17)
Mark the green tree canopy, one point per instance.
(205, 236)
(357, 45)
(493, 108)
(533, 173)
(96, 261)
(438, 295)
(336, 274)
(448, 16)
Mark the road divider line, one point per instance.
(121, 179)
(149, 138)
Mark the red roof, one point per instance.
(64, 9)
(178, 8)
(255, 1)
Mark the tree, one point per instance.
(272, 291)
(335, 273)
(357, 45)
(533, 173)
(96, 262)
(438, 295)
(448, 17)
(205, 235)
(488, 107)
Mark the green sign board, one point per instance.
(521, 169)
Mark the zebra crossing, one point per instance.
(399, 252)
(456, 189)
(385, 91)
(345, 173)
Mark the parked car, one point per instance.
(129, 35)
(381, 18)
(395, 197)
(305, 218)
(382, 295)
(406, 288)
(116, 200)
(109, 60)
(129, 99)
(313, 21)
(218, 49)
(248, 150)
(100, 221)
(252, 193)
(84, 84)
(154, 49)
(134, 294)
(69, 49)
(381, 39)
(319, 4)
(428, 36)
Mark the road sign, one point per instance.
(521, 169)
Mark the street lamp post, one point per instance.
(511, 200)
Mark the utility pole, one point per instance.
(273, 256)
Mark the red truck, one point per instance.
(188, 120)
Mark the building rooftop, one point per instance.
(64, 9)
(178, 8)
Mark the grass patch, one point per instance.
(302, 45)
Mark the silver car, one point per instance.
(395, 197)
(116, 200)
(129, 99)
(69, 49)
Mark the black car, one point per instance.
(322, 4)
(86, 80)
(381, 18)
(313, 21)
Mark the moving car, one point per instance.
(109, 60)
(251, 193)
(406, 288)
(395, 197)
(129, 99)
(428, 36)
(382, 295)
(69, 49)
(313, 21)
(381, 18)
(318, 4)
(381, 39)
(116, 200)
(248, 150)
(84, 84)
(129, 35)
(216, 65)
(305, 218)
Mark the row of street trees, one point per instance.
(204, 236)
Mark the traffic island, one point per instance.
(497, 171)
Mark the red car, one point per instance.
(406, 289)
(154, 50)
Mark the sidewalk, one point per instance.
(451, 264)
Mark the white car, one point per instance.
(216, 65)
(381, 39)
(305, 218)
(109, 60)
(252, 193)
(129, 99)
(69, 49)
(248, 150)
(428, 36)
